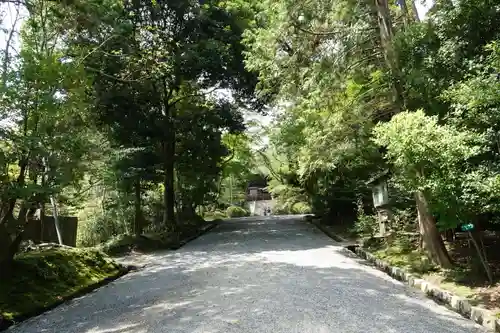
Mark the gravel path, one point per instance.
(273, 274)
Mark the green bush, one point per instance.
(118, 245)
(100, 227)
(280, 210)
(301, 208)
(123, 244)
(365, 225)
(235, 211)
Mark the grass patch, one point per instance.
(42, 279)
(464, 280)
(413, 261)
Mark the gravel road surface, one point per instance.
(271, 274)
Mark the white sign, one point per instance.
(380, 195)
(254, 192)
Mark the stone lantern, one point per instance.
(381, 201)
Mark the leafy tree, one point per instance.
(237, 168)
(427, 158)
(47, 137)
(191, 48)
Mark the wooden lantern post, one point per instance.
(381, 201)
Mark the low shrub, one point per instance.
(100, 227)
(119, 244)
(235, 211)
(215, 215)
(365, 225)
(301, 208)
(152, 241)
(280, 210)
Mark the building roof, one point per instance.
(379, 176)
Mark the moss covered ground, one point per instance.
(42, 279)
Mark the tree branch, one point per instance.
(322, 33)
(98, 71)
(192, 95)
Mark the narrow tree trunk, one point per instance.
(169, 116)
(55, 212)
(53, 202)
(432, 242)
(481, 253)
(405, 12)
(231, 189)
(138, 208)
(386, 34)
(168, 183)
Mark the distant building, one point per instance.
(255, 193)
(257, 198)
(256, 189)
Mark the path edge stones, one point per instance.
(462, 306)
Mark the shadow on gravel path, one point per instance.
(267, 275)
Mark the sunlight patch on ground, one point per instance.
(127, 328)
(166, 306)
(442, 311)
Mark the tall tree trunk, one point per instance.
(8, 45)
(169, 115)
(169, 182)
(138, 208)
(386, 34)
(432, 242)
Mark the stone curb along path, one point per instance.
(484, 317)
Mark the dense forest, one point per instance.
(132, 116)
